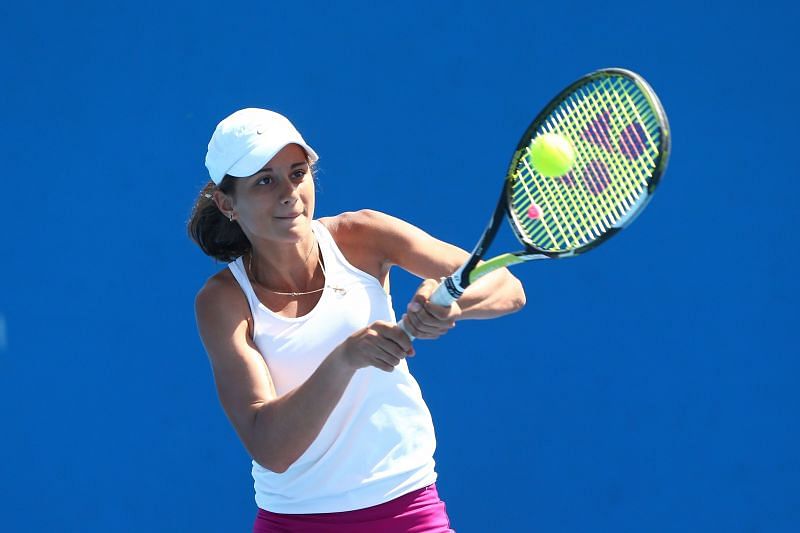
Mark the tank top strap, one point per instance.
(328, 249)
(337, 267)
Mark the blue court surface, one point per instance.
(648, 386)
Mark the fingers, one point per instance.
(424, 325)
(387, 355)
(381, 344)
(386, 361)
(391, 345)
(394, 338)
(423, 294)
(427, 320)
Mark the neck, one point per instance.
(292, 267)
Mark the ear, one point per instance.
(224, 203)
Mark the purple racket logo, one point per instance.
(596, 176)
(597, 132)
(631, 141)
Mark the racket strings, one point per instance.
(604, 210)
(601, 129)
(589, 216)
(579, 216)
(616, 136)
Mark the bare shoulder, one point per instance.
(354, 226)
(355, 235)
(394, 241)
(219, 287)
(366, 232)
(220, 302)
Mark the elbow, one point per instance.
(518, 299)
(262, 449)
(269, 463)
(280, 469)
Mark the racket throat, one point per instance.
(460, 282)
(455, 284)
(495, 263)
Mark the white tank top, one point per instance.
(378, 442)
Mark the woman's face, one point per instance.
(277, 202)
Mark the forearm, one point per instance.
(496, 294)
(284, 428)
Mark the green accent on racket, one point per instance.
(505, 260)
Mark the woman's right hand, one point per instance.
(381, 344)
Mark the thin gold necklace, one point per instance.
(319, 260)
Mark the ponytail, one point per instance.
(217, 236)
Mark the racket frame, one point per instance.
(532, 252)
(453, 286)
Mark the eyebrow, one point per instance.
(295, 165)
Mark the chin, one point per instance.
(297, 227)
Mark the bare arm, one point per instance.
(276, 431)
(414, 250)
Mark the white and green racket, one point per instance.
(583, 170)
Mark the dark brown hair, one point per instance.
(211, 230)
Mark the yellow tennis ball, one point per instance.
(552, 155)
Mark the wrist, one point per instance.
(458, 312)
(340, 359)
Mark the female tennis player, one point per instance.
(307, 357)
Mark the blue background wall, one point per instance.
(652, 384)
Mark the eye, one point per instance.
(266, 180)
(299, 173)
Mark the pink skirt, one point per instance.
(419, 511)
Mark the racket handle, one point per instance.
(441, 296)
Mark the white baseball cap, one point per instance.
(246, 140)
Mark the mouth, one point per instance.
(289, 217)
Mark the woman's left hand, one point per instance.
(426, 320)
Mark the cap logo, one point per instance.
(259, 131)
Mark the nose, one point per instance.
(288, 192)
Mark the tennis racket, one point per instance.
(621, 142)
